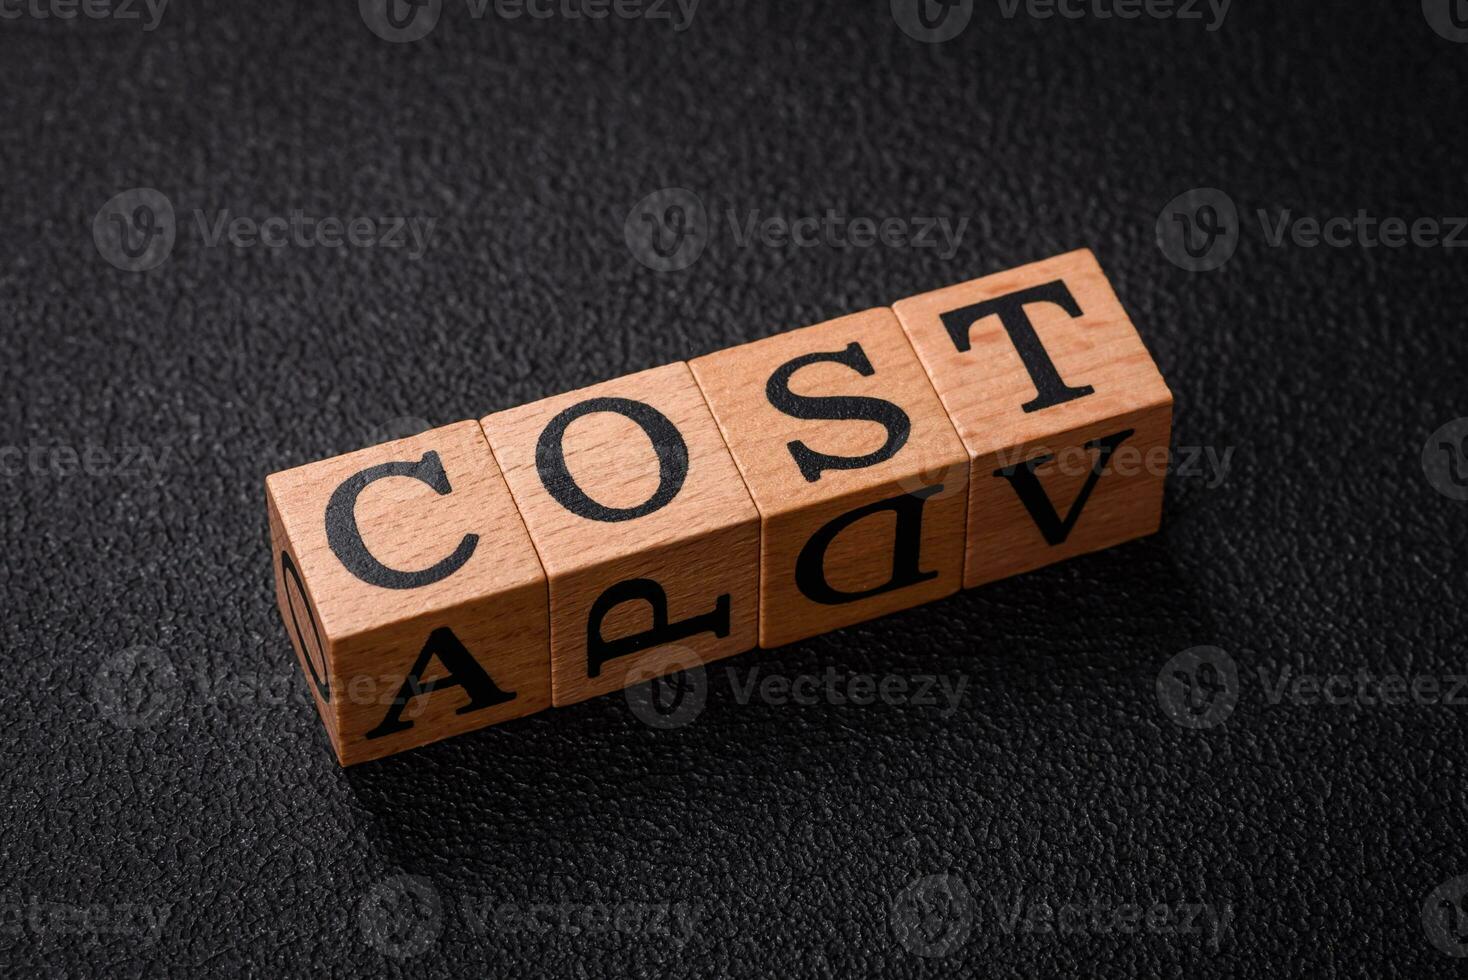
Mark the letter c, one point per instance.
(346, 541)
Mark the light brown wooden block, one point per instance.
(411, 591)
(1039, 362)
(646, 532)
(860, 480)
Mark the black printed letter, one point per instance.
(892, 418)
(599, 650)
(289, 575)
(464, 671)
(810, 567)
(1050, 390)
(346, 540)
(1022, 477)
(667, 442)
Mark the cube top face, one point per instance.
(408, 530)
(630, 465)
(1024, 354)
(820, 413)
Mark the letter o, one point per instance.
(288, 575)
(667, 442)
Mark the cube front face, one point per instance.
(642, 523)
(859, 477)
(1063, 412)
(411, 592)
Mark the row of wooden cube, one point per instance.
(485, 570)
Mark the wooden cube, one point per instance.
(643, 525)
(411, 591)
(1064, 414)
(859, 477)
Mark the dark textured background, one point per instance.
(214, 796)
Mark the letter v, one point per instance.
(1022, 477)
